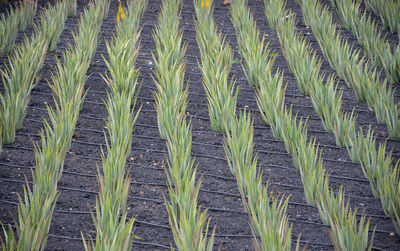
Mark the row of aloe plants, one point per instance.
(114, 230)
(306, 67)
(378, 168)
(37, 205)
(326, 98)
(25, 63)
(306, 153)
(388, 11)
(216, 64)
(185, 217)
(352, 68)
(267, 214)
(367, 32)
(16, 20)
(267, 211)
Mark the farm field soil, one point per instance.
(219, 193)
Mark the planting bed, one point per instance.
(219, 192)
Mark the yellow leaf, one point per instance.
(205, 3)
(120, 13)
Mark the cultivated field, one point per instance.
(234, 122)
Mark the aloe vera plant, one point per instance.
(268, 218)
(8, 32)
(185, 217)
(369, 35)
(37, 206)
(375, 163)
(307, 156)
(70, 7)
(114, 230)
(216, 63)
(18, 79)
(171, 98)
(27, 12)
(347, 232)
(388, 183)
(352, 68)
(25, 64)
(388, 11)
(267, 214)
(257, 58)
(17, 20)
(302, 60)
(52, 24)
(270, 101)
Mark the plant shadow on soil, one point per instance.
(219, 193)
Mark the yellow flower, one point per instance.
(205, 3)
(120, 13)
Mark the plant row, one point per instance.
(37, 205)
(267, 212)
(352, 68)
(388, 11)
(269, 223)
(171, 97)
(216, 64)
(327, 103)
(306, 153)
(15, 20)
(365, 29)
(114, 231)
(378, 168)
(185, 217)
(24, 65)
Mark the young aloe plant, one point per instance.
(70, 7)
(351, 67)
(171, 96)
(36, 209)
(388, 183)
(308, 161)
(374, 163)
(275, 11)
(16, 20)
(26, 14)
(345, 128)
(18, 80)
(327, 104)
(359, 144)
(270, 101)
(8, 32)
(216, 64)
(369, 36)
(388, 11)
(114, 230)
(345, 233)
(302, 60)
(52, 24)
(327, 101)
(185, 217)
(25, 64)
(257, 58)
(268, 218)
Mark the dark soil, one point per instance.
(219, 193)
